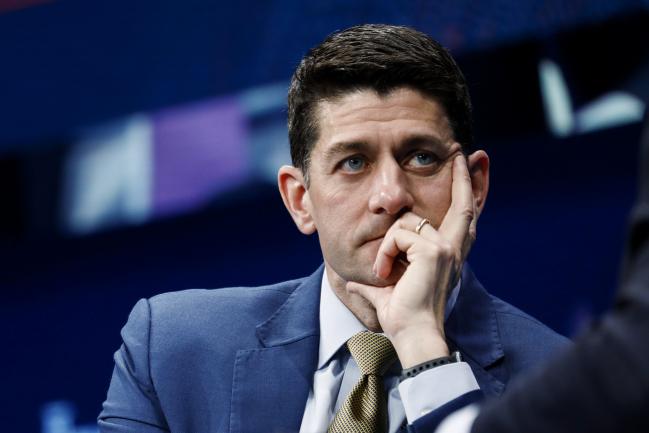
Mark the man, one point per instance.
(600, 385)
(384, 171)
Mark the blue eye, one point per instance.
(423, 159)
(353, 164)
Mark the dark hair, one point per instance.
(379, 57)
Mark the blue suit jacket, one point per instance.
(242, 359)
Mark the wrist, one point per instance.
(428, 365)
(417, 345)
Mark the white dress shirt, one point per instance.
(337, 373)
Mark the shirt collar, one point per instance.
(338, 324)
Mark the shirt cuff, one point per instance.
(459, 421)
(433, 388)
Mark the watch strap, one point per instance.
(428, 365)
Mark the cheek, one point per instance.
(343, 195)
(338, 209)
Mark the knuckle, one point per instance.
(467, 212)
(443, 246)
(433, 251)
(448, 253)
(473, 234)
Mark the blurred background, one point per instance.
(139, 143)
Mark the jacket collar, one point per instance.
(298, 317)
(275, 379)
(472, 325)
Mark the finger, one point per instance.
(396, 241)
(474, 223)
(408, 221)
(471, 237)
(373, 295)
(411, 220)
(460, 215)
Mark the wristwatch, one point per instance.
(437, 362)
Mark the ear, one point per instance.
(295, 195)
(479, 171)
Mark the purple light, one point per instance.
(199, 151)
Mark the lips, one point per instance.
(375, 231)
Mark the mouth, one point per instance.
(375, 231)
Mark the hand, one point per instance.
(411, 312)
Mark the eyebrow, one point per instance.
(345, 147)
(422, 140)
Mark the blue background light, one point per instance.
(140, 141)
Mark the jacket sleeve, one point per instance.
(132, 404)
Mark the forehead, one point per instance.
(365, 116)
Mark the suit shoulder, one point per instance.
(191, 317)
(224, 298)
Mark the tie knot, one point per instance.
(372, 352)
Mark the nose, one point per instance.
(390, 193)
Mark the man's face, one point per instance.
(376, 157)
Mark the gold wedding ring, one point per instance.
(421, 224)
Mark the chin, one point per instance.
(365, 313)
(382, 282)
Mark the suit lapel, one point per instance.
(472, 328)
(271, 384)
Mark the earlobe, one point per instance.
(479, 171)
(295, 195)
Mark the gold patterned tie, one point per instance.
(365, 408)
